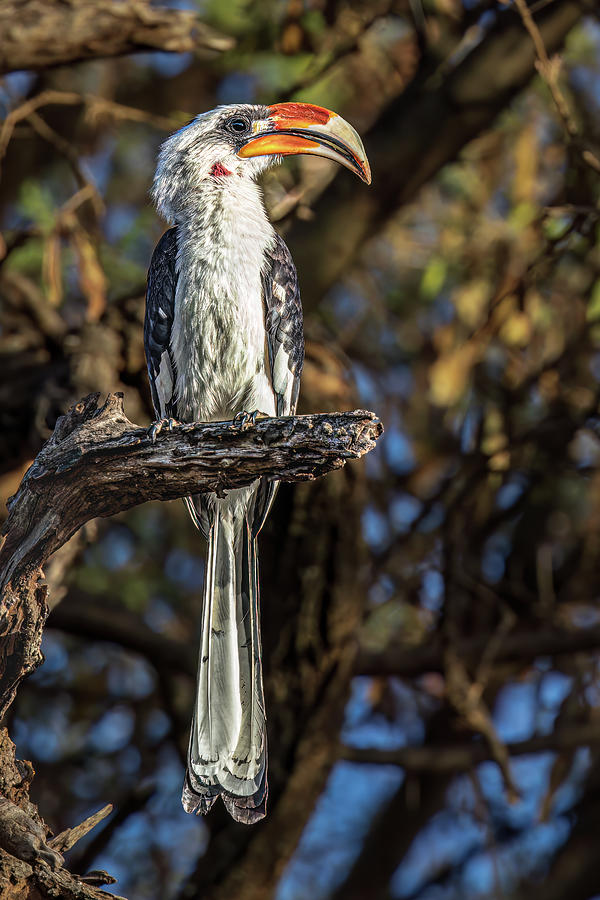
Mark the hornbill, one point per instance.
(224, 340)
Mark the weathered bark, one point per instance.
(44, 33)
(30, 863)
(98, 463)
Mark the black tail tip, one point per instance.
(199, 800)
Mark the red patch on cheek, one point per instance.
(219, 170)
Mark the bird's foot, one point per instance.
(156, 427)
(244, 420)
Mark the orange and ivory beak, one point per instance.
(303, 128)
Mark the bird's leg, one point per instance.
(244, 420)
(156, 427)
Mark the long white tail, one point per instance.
(228, 746)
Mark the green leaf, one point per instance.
(37, 204)
(433, 277)
(593, 309)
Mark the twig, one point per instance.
(127, 805)
(465, 696)
(68, 838)
(64, 214)
(45, 98)
(100, 107)
(98, 877)
(493, 647)
(549, 69)
(66, 149)
(95, 108)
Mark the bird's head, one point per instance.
(242, 140)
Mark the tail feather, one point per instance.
(227, 752)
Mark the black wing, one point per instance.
(160, 307)
(285, 345)
(283, 323)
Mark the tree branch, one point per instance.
(453, 758)
(68, 838)
(408, 662)
(79, 615)
(97, 463)
(549, 70)
(38, 34)
(31, 865)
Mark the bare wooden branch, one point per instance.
(549, 69)
(38, 34)
(97, 463)
(96, 108)
(452, 758)
(23, 837)
(518, 646)
(30, 864)
(68, 838)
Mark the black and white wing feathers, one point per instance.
(158, 323)
(283, 323)
(285, 347)
(160, 308)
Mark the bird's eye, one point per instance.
(237, 125)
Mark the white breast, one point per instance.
(218, 337)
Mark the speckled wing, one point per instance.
(158, 322)
(284, 326)
(285, 348)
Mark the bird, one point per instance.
(223, 337)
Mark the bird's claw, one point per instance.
(156, 427)
(244, 420)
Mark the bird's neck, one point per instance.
(225, 219)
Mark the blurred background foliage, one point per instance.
(460, 300)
